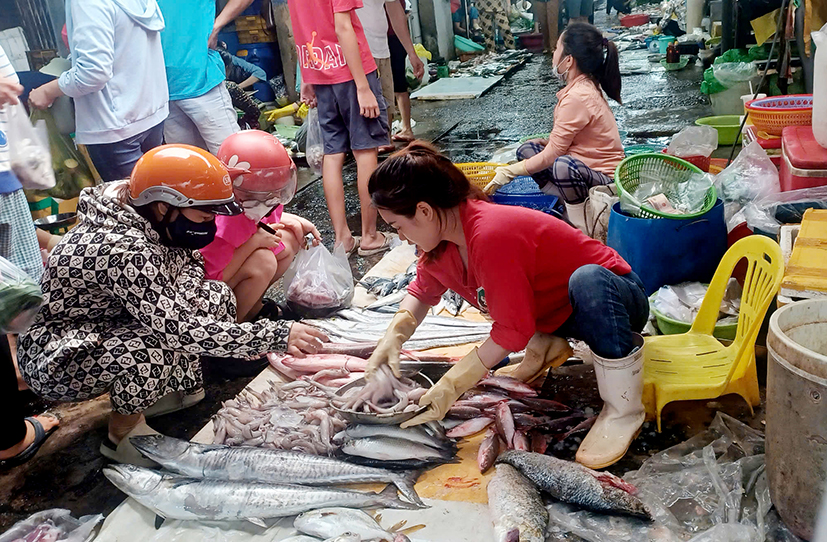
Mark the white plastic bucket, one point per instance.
(820, 86)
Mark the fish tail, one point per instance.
(405, 483)
(389, 498)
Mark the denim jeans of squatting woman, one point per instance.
(608, 308)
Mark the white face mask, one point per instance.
(556, 72)
(256, 210)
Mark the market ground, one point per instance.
(657, 104)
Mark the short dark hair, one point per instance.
(586, 44)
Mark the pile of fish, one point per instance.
(390, 447)
(515, 501)
(382, 287)
(515, 418)
(382, 394)
(293, 416)
(246, 464)
(359, 326)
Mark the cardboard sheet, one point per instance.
(457, 88)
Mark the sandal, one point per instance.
(386, 245)
(357, 241)
(125, 452)
(402, 139)
(173, 402)
(40, 437)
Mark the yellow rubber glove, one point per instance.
(504, 175)
(543, 351)
(387, 349)
(463, 376)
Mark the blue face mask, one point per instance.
(185, 233)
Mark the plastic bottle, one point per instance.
(673, 54)
(820, 87)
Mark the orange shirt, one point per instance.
(585, 127)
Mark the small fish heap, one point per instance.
(383, 287)
(515, 418)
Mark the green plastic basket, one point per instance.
(669, 168)
(670, 326)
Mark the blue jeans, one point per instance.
(115, 161)
(608, 308)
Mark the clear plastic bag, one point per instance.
(314, 148)
(730, 74)
(51, 525)
(318, 283)
(770, 212)
(750, 177)
(683, 198)
(710, 488)
(682, 302)
(29, 153)
(694, 141)
(20, 298)
(70, 170)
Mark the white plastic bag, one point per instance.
(820, 86)
(29, 152)
(750, 177)
(54, 524)
(20, 298)
(694, 141)
(424, 55)
(318, 283)
(314, 149)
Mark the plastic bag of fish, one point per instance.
(318, 283)
(52, 525)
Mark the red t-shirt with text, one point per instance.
(321, 58)
(519, 265)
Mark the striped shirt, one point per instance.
(8, 181)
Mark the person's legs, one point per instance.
(179, 128)
(334, 193)
(544, 178)
(505, 29)
(250, 282)
(540, 10)
(608, 310)
(552, 23)
(154, 137)
(574, 179)
(386, 79)
(487, 26)
(18, 238)
(12, 425)
(400, 88)
(213, 115)
(365, 165)
(403, 101)
(287, 254)
(115, 161)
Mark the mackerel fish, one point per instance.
(516, 507)
(575, 484)
(251, 464)
(176, 497)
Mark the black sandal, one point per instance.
(40, 437)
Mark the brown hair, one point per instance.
(586, 44)
(419, 173)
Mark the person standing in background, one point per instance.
(399, 53)
(493, 17)
(378, 17)
(117, 81)
(546, 15)
(201, 112)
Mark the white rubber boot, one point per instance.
(620, 382)
(577, 215)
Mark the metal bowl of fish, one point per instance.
(398, 399)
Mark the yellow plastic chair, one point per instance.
(695, 365)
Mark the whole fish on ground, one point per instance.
(516, 507)
(177, 497)
(515, 388)
(504, 422)
(249, 464)
(418, 434)
(575, 484)
(392, 449)
(488, 451)
(329, 522)
(470, 427)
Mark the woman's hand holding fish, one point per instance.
(388, 348)
(304, 340)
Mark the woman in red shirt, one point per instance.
(533, 274)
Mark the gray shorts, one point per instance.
(343, 127)
(580, 8)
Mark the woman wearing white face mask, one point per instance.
(583, 148)
(253, 250)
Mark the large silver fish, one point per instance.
(575, 484)
(250, 464)
(516, 507)
(176, 497)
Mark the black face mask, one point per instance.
(184, 233)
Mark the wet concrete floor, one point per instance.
(66, 473)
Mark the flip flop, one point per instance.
(357, 241)
(386, 245)
(125, 452)
(401, 138)
(40, 437)
(384, 149)
(173, 402)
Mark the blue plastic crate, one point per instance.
(524, 192)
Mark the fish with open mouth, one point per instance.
(516, 507)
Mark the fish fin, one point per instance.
(389, 498)
(396, 526)
(258, 522)
(412, 529)
(405, 483)
(159, 520)
(513, 535)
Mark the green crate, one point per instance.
(669, 168)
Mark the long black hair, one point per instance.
(595, 56)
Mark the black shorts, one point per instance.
(343, 127)
(398, 56)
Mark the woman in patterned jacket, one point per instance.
(128, 310)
